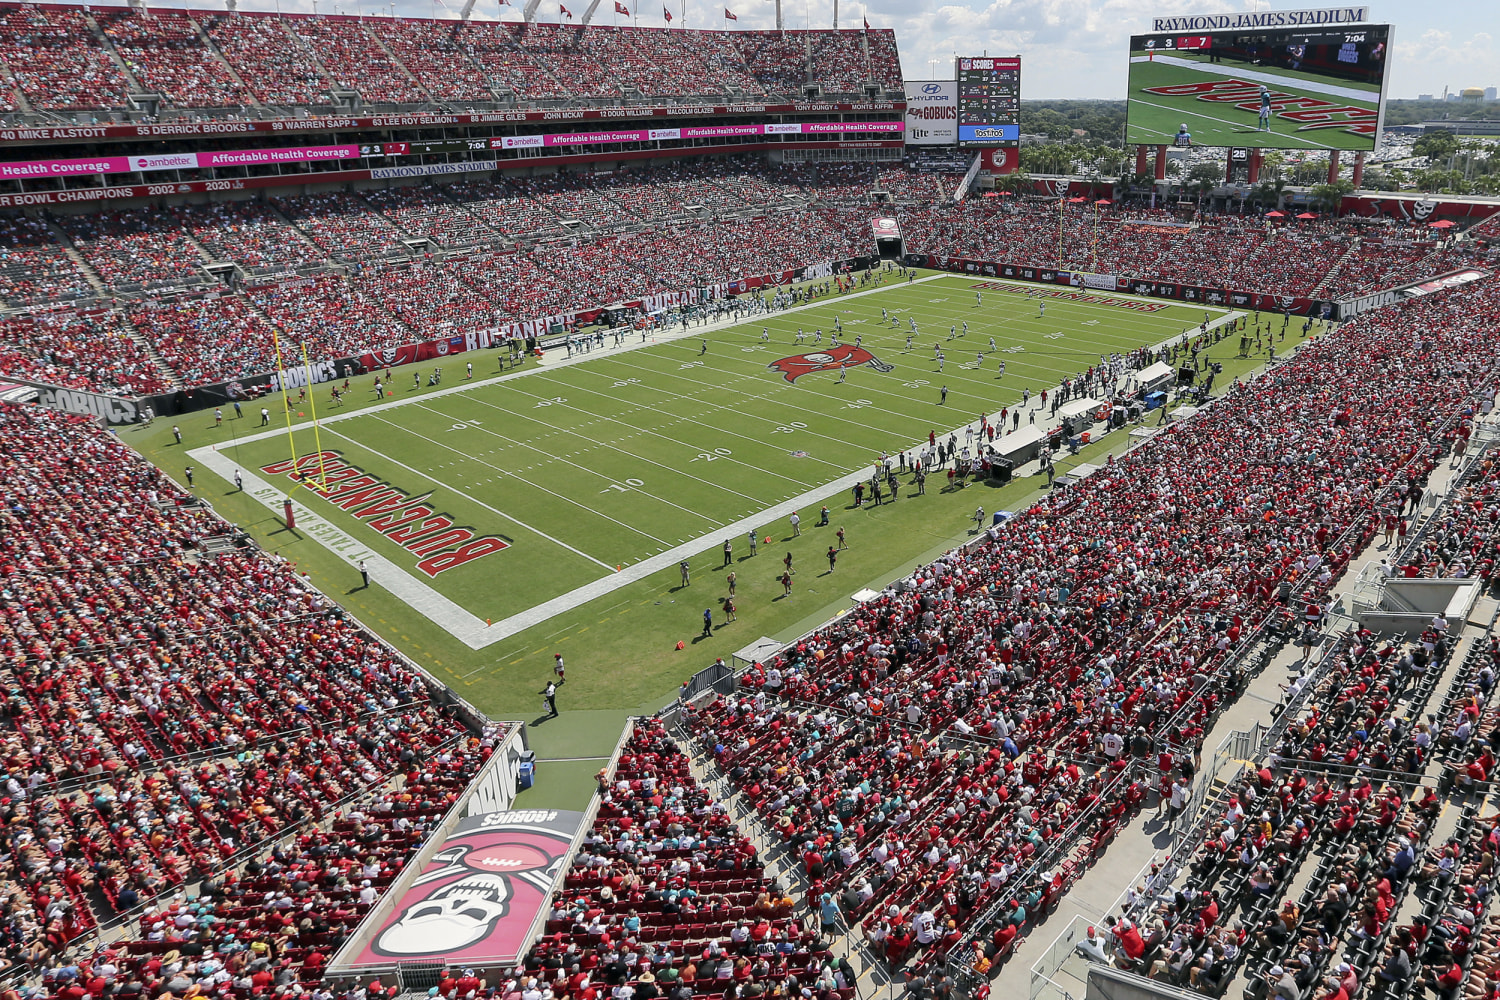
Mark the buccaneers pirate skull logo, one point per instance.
(831, 360)
(457, 907)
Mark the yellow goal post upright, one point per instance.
(286, 408)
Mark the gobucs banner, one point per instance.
(477, 899)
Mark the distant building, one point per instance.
(1490, 93)
(1464, 126)
(1424, 97)
(1472, 94)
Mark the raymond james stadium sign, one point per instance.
(1263, 19)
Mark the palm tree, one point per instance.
(1272, 163)
(1267, 194)
(1017, 181)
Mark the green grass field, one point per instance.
(628, 456)
(1350, 108)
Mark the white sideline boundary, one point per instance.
(1260, 76)
(473, 631)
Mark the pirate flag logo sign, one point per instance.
(831, 360)
(476, 897)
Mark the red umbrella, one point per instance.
(1074, 201)
(1103, 201)
(1275, 215)
(1440, 224)
(991, 194)
(1307, 215)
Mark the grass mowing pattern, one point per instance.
(1155, 118)
(612, 460)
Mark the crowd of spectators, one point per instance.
(496, 48)
(432, 300)
(504, 210)
(90, 350)
(353, 57)
(342, 225)
(668, 897)
(917, 187)
(55, 60)
(164, 51)
(1326, 258)
(1324, 868)
(193, 60)
(329, 316)
(433, 51)
(573, 197)
(207, 338)
(250, 233)
(166, 712)
(136, 249)
(276, 64)
(419, 211)
(34, 268)
(641, 232)
(1092, 630)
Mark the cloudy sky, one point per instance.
(1070, 48)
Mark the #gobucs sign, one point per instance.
(831, 360)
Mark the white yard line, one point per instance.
(468, 628)
(494, 510)
(1236, 127)
(551, 365)
(463, 626)
(1226, 70)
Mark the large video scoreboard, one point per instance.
(1304, 88)
(989, 101)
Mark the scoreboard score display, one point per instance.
(989, 101)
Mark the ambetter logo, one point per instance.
(842, 356)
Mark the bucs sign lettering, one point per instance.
(831, 360)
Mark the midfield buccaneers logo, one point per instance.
(831, 360)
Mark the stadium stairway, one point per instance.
(781, 865)
(1102, 887)
(148, 348)
(213, 49)
(114, 56)
(14, 92)
(1338, 266)
(61, 237)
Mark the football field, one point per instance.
(1219, 102)
(492, 505)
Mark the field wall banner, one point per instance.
(113, 410)
(478, 898)
(1192, 294)
(931, 112)
(248, 388)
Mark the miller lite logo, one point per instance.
(842, 356)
